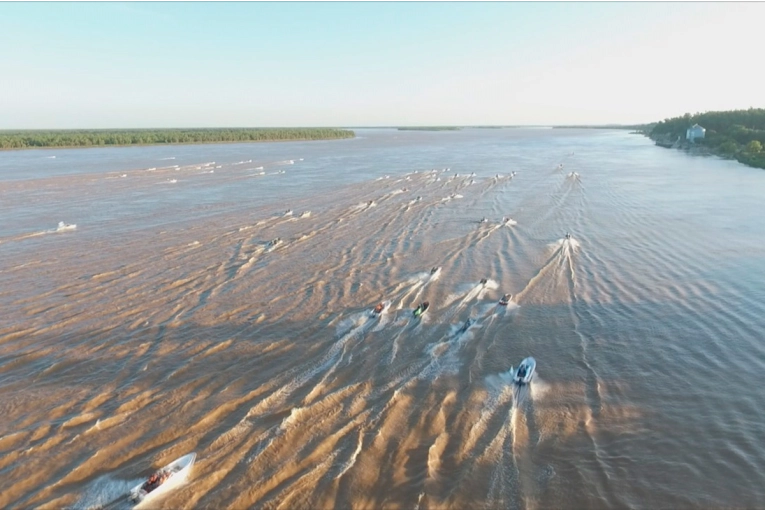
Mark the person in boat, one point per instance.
(379, 308)
(155, 480)
(522, 371)
(421, 309)
(568, 236)
(151, 483)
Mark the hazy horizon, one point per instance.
(191, 65)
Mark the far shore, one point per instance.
(53, 147)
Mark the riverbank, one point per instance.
(701, 149)
(73, 139)
(735, 134)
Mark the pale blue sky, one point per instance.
(102, 65)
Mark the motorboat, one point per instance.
(420, 309)
(525, 371)
(465, 326)
(63, 227)
(163, 480)
(379, 309)
(504, 300)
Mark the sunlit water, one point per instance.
(161, 319)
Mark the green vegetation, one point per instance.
(739, 134)
(430, 128)
(94, 138)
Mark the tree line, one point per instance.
(104, 137)
(737, 133)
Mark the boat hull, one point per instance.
(530, 364)
(179, 470)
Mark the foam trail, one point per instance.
(354, 456)
(104, 491)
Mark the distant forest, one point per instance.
(95, 138)
(739, 133)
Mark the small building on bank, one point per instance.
(694, 132)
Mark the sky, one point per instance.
(68, 65)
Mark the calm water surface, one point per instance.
(165, 323)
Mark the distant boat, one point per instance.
(63, 227)
(420, 309)
(379, 309)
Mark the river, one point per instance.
(216, 299)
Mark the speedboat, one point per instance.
(525, 371)
(163, 480)
(504, 300)
(379, 309)
(484, 281)
(465, 326)
(420, 309)
(434, 269)
(568, 236)
(63, 227)
(273, 242)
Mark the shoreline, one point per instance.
(50, 147)
(700, 150)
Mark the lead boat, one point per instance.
(525, 371)
(163, 480)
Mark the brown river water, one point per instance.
(167, 322)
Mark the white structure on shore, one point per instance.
(694, 132)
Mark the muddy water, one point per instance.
(217, 299)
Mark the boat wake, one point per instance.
(106, 492)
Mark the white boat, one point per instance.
(525, 371)
(163, 480)
(63, 227)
